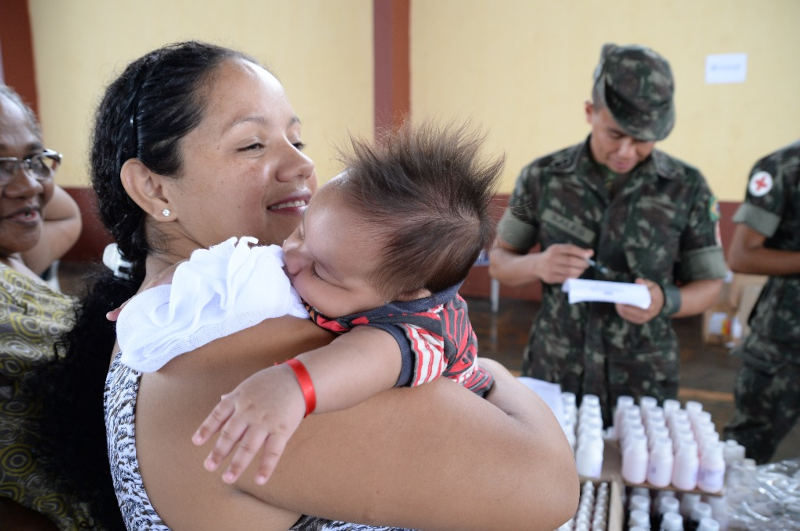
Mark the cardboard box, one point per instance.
(721, 325)
(742, 287)
(718, 320)
(725, 323)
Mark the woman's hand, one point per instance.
(61, 227)
(263, 410)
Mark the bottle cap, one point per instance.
(688, 503)
(590, 400)
(647, 402)
(668, 504)
(639, 517)
(671, 522)
(708, 524)
(670, 405)
(624, 400)
(568, 398)
(639, 502)
(692, 406)
(700, 510)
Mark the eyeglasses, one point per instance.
(41, 166)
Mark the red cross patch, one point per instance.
(760, 183)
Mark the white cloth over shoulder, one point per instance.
(217, 292)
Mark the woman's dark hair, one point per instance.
(144, 114)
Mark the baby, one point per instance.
(380, 254)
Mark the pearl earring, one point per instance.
(166, 212)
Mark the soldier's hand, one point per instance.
(637, 315)
(561, 261)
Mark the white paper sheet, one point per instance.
(581, 290)
(726, 68)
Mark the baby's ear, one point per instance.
(413, 295)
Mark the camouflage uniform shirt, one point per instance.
(766, 391)
(772, 208)
(658, 223)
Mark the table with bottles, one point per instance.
(659, 467)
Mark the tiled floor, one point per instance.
(707, 371)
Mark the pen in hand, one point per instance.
(597, 266)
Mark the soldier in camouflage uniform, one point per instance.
(641, 214)
(767, 241)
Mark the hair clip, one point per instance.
(112, 258)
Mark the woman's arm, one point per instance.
(60, 231)
(436, 457)
(263, 411)
(433, 457)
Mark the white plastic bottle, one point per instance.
(671, 522)
(639, 518)
(590, 425)
(569, 407)
(688, 502)
(667, 503)
(589, 457)
(719, 509)
(634, 459)
(632, 432)
(693, 407)
(655, 416)
(670, 405)
(681, 436)
(708, 524)
(699, 512)
(659, 469)
(591, 401)
(623, 402)
(631, 417)
(637, 501)
(711, 471)
(647, 402)
(733, 451)
(685, 466)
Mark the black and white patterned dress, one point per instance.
(121, 391)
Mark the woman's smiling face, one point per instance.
(243, 170)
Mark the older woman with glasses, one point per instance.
(39, 222)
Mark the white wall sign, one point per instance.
(726, 68)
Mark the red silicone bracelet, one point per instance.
(306, 385)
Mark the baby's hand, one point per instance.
(265, 409)
(113, 315)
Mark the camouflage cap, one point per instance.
(635, 84)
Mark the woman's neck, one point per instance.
(158, 267)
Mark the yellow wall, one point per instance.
(522, 69)
(320, 50)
